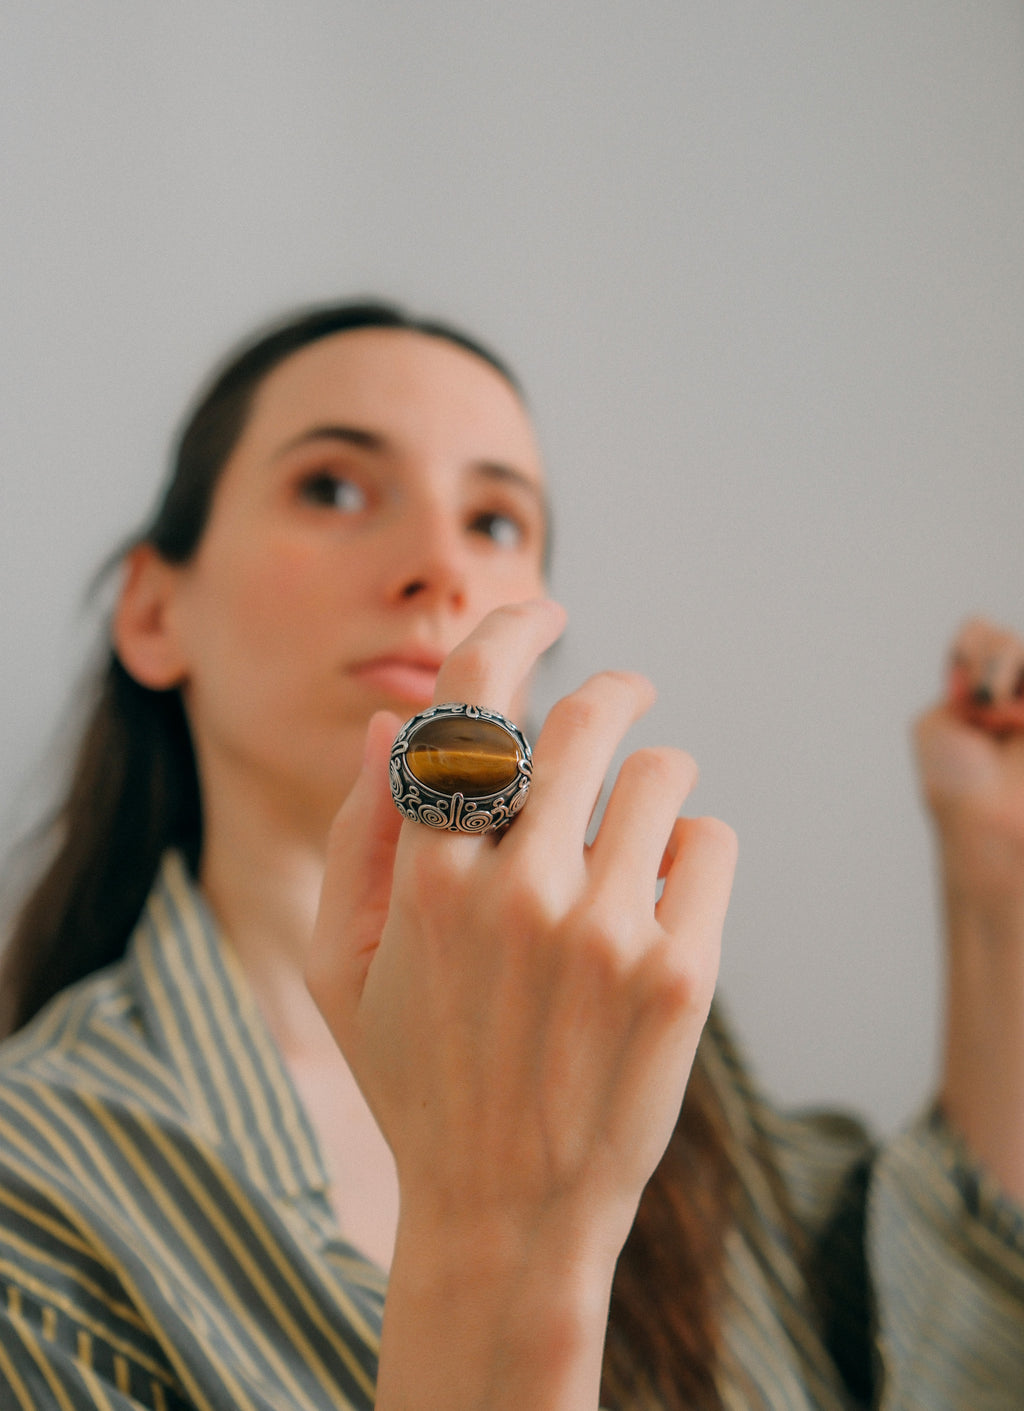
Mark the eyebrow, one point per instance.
(350, 435)
(373, 441)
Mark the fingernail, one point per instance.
(983, 694)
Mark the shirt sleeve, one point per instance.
(917, 1262)
(946, 1256)
(914, 1257)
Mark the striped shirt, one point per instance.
(166, 1239)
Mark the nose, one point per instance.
(430, 564)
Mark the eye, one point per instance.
(502, 529)
(333, 491)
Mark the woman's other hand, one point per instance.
(971, 756)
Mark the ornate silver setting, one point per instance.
(455, 812)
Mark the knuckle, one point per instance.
(629, 684)
(599, 946)
(661, 767)
(473, 662)
(719, 832)
(673, 990)
(607, 692)
(677, 984)
(575, 714)
(528, 911)
(605, 933)
(722, 840)
(974, 627)
(979, 638)
(518, 612)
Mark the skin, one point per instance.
(503, 1030)
(970, 751)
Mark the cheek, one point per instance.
(295, 578)
(282, 579)
(268, 601)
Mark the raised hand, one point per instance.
(522, 1015)
(971, 755)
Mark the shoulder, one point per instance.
(101, 1036)
(85, 1056)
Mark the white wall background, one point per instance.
(761, 266)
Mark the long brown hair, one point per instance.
(134, 793)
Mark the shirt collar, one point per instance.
(202, 1016)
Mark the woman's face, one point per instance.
(385, 495)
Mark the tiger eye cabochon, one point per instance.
(460, 767)
(465, 755)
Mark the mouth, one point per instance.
(404, 676)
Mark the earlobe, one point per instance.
(143, 628)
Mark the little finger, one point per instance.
(698, 883)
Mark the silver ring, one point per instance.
(460, 767)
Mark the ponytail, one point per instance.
(134, 793)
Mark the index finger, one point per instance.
(492, 666)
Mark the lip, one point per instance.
(405, 675)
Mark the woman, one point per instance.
(332, 1042)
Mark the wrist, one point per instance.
(982, 868)
(982, 1091)
(482, 1314)
(984, 923)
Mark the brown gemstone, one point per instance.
(465, 756)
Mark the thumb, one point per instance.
(356, 891)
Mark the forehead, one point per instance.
(419, 391)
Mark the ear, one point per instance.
(143, 627)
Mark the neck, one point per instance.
(264, 890)
(264, 893)
(261, 869)
(262, 879)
